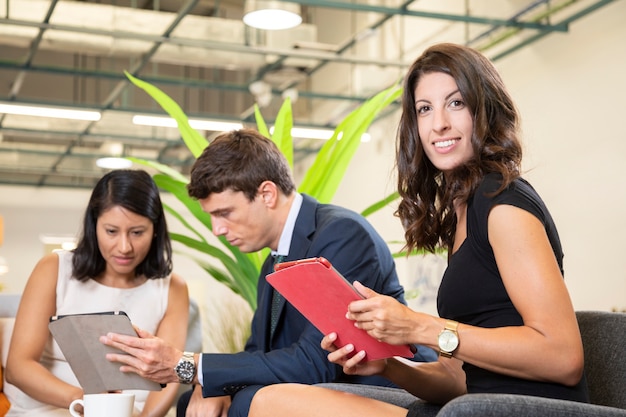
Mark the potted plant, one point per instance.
(239, 271)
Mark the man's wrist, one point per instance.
(186, 368)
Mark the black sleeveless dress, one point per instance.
(472, 290)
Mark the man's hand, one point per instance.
(350, 361)
(148, 356)
(207, 407)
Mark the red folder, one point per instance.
(321, 294)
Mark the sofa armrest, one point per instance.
(504, 405)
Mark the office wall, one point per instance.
(569, 88)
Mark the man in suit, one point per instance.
(244, 182)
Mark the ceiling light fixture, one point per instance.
(271, 14)
(115, 161)
(162, 121)
(56, 112)
(217, 126)
(322, 134)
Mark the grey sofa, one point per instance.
(604, 340)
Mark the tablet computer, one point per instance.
(78, 337)
(321, 294)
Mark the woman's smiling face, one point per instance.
(444, 122)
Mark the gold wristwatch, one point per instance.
(448, 339)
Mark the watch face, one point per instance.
(185, 371)
(448, 341)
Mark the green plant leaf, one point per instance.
(380, 204)
(325, 174)
(179, 190)
(282, 131)
(193, 139)
(160, 167)
(260, 122)
(184, 222)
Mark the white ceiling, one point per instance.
(73, 53)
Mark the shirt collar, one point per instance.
(285, 238)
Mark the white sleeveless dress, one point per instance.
(145, 305)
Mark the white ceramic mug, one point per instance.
(105, 405)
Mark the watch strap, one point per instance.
(452, 326)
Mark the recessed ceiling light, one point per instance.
(114, 163)
(44, 111)
(271, 14)
(163, 121)
(323, 134)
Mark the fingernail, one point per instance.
(349, 347)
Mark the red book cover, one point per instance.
(321, 294)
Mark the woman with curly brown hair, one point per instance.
(506, 323)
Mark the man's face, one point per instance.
(246, 224)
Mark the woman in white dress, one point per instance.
(122, 262)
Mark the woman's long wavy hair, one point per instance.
(427, 196)
(133, 190)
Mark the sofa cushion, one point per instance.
(603, 339)
(506, 405)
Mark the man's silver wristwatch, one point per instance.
(186, 368)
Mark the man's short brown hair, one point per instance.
(239, 160)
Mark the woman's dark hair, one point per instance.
(133, 190)
(239, 160)
(426, 209)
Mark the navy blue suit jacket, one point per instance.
(294, 354)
